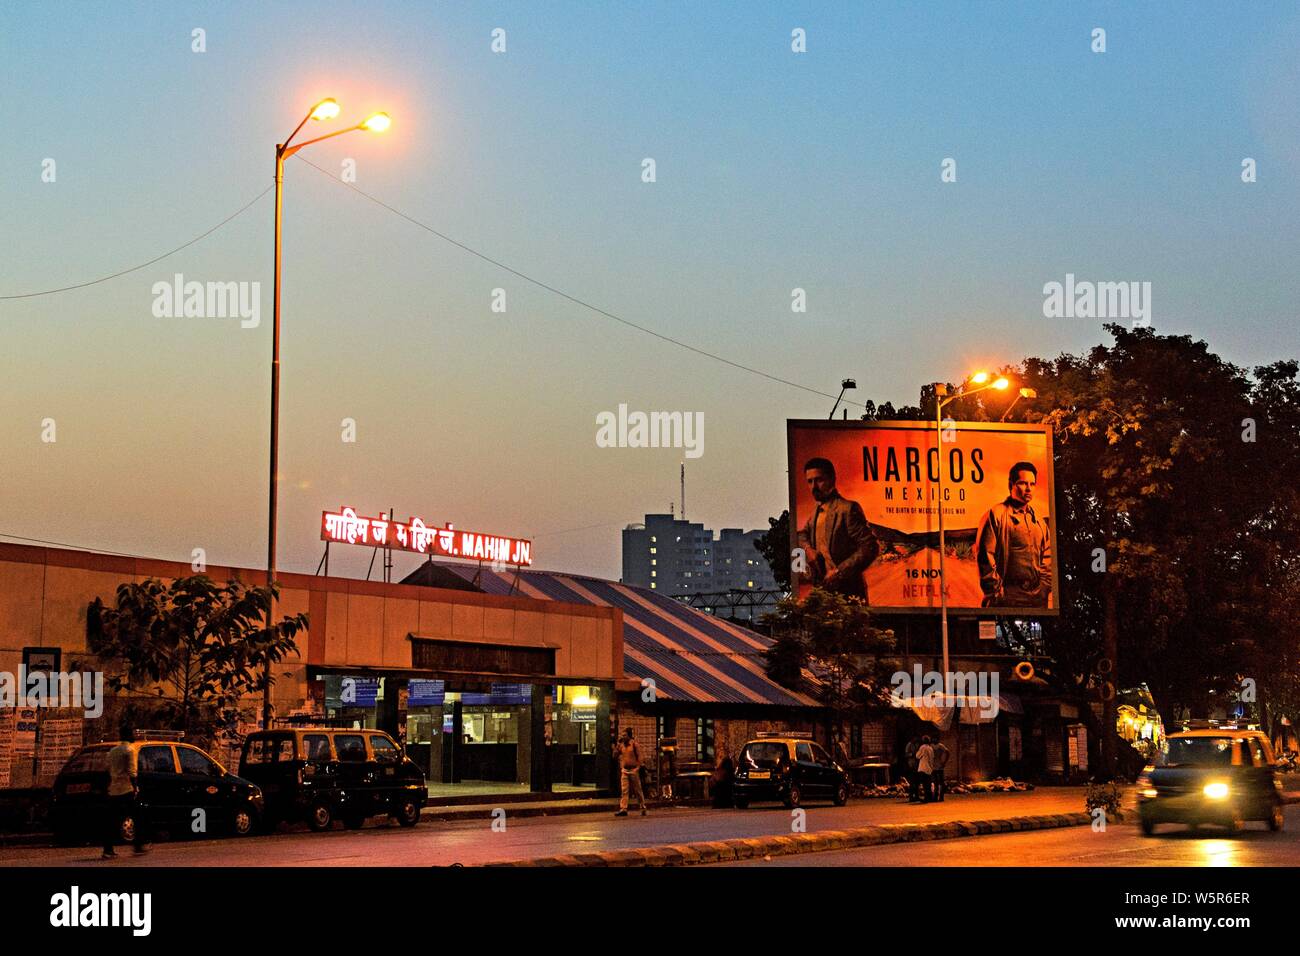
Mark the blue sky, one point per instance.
(775, 170)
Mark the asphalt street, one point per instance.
(1119, 845)
(475, 841)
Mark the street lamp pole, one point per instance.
(324, 110)
(941, 399)
(943, 576)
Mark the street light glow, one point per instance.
(326, 109)
(1001, 384)
(378, 122)
(979, 378)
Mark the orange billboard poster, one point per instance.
(864, 514)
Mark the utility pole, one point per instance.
(683, 491)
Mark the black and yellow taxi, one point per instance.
(182, 790)
(1215, 774)
(789, 767)
(320, 775)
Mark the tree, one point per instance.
(197, 646)
(832, 636)
(1176, 528)
(774, 546)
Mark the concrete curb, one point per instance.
(747, 848)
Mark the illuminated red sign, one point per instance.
(347, 527)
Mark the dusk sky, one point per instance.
(775, 170)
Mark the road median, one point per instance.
(746, 848)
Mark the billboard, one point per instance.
(874, 533)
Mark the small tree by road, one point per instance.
(193, 647)
(832, 636)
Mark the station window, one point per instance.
(704, 739)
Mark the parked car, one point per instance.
(789, 768)
(1214, 775)
(175, 780)
(321, 775)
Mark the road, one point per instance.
(474, 841)
(1120, 845)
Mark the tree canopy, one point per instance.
(832, 636)
(193, 646)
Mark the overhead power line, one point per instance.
(203, 235)
(65, 544)
(565, 295)
(576, 300)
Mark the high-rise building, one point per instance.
(681, 558)
(737, 563)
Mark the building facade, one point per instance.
(489, 693)
(683, 559)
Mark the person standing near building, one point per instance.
(842, 749)
(913, 778)
(720, 782)
(628, 755)
(941, 755)
(123, 795)
(925, 768)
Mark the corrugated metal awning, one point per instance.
(690, 655)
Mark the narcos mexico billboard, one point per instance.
(864, 518)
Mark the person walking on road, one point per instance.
(628, 755)
(941, 755)
(925, 768)
(123, 796)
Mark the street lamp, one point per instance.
(1024, 393)
(326, 109)
(941, 398)
(845, 385)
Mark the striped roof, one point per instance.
(690, 655)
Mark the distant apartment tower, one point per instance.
(737, 563)
(668, 554)
(681, 558)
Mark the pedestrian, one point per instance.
(941, 755)
(842, 749)
(123, 796)
(721, 780)
(925, 768)
(628, 755)
(913, 779)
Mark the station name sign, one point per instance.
(347, 527)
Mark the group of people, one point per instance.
(926, 762)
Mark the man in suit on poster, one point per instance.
(837, 538)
